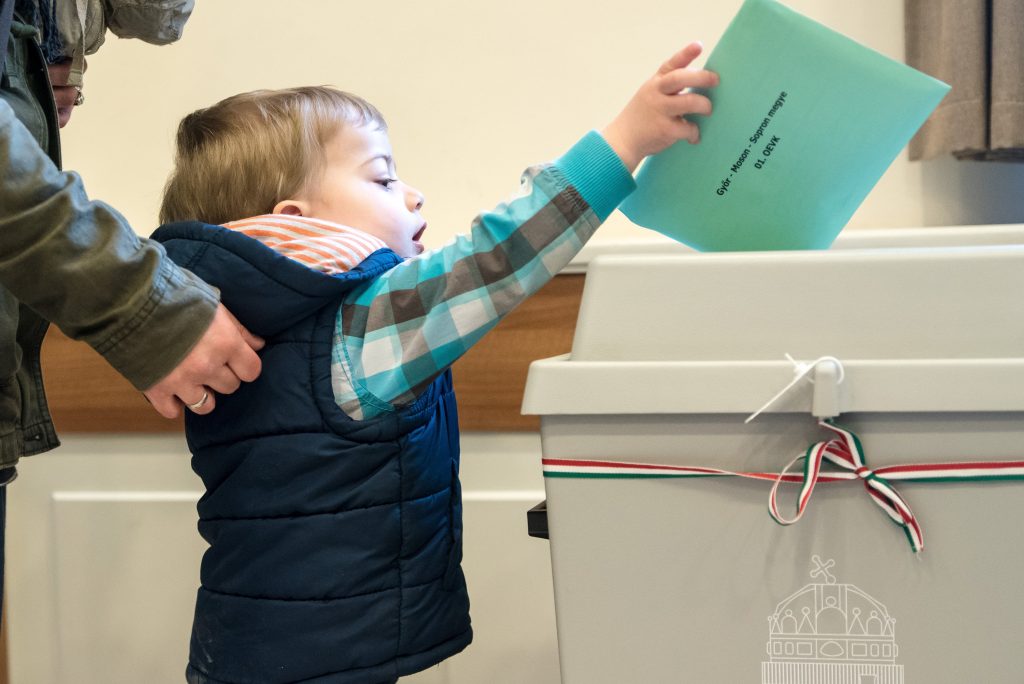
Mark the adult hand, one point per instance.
(653, 119)
(221, 361)
(64, 95)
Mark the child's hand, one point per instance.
(652, 120)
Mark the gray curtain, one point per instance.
(976, 46)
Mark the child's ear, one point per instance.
(292, 208)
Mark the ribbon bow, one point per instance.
(845, 451)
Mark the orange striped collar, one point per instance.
(321, 245)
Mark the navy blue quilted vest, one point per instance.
(334, 544)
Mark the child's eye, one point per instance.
(386, 183)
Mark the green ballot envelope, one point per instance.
(804, 123)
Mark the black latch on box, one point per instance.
(537, 520)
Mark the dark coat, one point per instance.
(75, 262)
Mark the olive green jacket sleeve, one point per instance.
(77, 263)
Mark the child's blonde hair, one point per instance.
(246, 153)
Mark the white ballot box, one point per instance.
(906, 382)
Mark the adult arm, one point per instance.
(76, 262)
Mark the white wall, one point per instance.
(474, 92)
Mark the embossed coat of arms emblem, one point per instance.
(831, 633)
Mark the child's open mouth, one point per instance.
(419, 234)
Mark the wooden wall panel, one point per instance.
(490, 378)
(86, 395)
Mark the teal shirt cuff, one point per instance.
(597, 173)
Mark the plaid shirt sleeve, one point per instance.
(395, 335)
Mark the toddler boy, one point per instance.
(332, 504)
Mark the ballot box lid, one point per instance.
(859, 238)
(914, 328)
(938, 236)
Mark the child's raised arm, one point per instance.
(652, 120)
(401, 331)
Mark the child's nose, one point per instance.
(413, 198)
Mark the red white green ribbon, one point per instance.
(844, 450)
